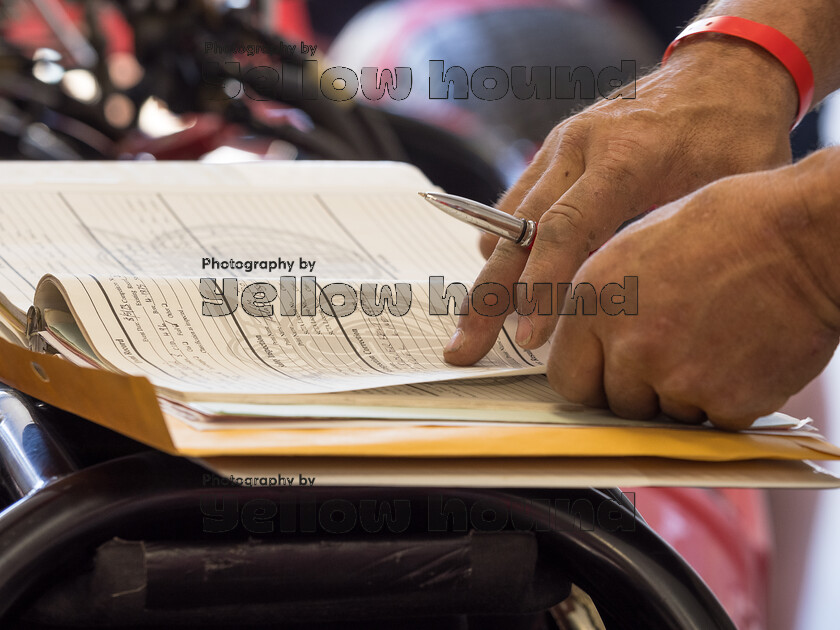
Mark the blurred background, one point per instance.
(234, 80)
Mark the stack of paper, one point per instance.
(291, 316)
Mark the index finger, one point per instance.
(476, 333)
(513, 198)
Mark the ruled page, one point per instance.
(360, 221)
(155, 327)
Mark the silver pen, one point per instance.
(520, 231)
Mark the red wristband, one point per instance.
(771, 40)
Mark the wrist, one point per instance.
(741, 73)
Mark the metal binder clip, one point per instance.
(34, 325)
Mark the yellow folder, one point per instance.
(128, 405)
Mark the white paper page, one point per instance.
(129, 174)
(528, 472)
(155, 328)
(365, 221)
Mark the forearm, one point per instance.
(811, 24)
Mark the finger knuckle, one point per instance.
(558, 382)
(560, 222)
(562, 380)
(635, 352)
(622, 160)
(572, 142)
(569, 391)
(730, 421)
(505, 254)
(537, 202)
(736, 408)
(682, 385)
(631, 409)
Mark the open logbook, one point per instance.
(297, 309)
(260, 285)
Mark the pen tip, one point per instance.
(424, 195)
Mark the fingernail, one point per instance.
(524, 330)
(456, 342)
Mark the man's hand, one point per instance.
(735, 308)
(766, 316)
(717, 108)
